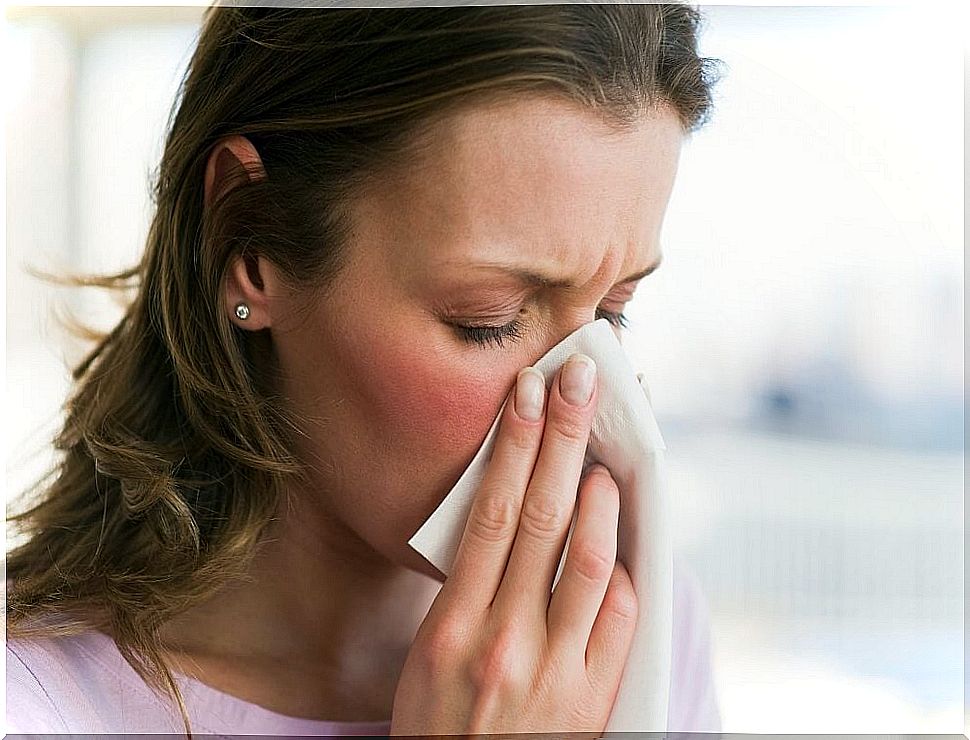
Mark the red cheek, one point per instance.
(429, 400)
(423, 403)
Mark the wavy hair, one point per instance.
(175, 452)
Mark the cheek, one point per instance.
(426, 404)
(425, 414)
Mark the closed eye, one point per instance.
(618, 319)
(489, 335)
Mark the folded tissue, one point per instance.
(625, 438)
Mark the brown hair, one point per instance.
(174, 453)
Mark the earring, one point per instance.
(242, 311)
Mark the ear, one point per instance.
(232, 161)
(252, 281)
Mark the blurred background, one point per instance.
(803, 342)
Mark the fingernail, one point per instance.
(530, 388)
(577, 378)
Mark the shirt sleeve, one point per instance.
(693, 705)
(30, 709)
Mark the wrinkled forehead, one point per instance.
(539, 178)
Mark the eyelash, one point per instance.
(487, 335)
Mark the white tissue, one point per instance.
(625, 438)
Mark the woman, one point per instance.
(369, 224)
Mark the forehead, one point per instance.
(534, 139)
(535, 176)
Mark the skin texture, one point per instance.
(395, 401)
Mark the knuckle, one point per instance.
(521, 437)
(599, 478)
(593, 565)
(495, 519)
(572, 425)
(541, 516)
(623, 600)
(496, 666)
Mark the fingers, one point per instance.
(589, 564)
(612, 635)
(494, 517)
(549, 501)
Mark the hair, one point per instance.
(175, 451)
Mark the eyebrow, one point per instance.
(530, 277)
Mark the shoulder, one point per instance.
(76, 684)
(693, 705)
(30, 706)
(45, 685)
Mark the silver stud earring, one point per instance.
(242, 311)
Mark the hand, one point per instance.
(497, 652)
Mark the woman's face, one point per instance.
(398, 398)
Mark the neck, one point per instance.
(321, 628)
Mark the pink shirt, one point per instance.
(82, 684)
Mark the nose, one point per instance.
(591, 315)
(572, 322)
